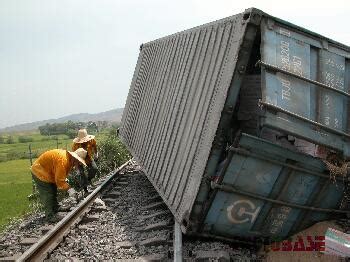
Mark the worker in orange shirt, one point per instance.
(50, 171)
(87, 142)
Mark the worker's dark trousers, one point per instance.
(48, 196)
(91, 172)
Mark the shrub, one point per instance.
(71, 133)
(25, 139)
(10, 140)
(112, 153)
(75, 180)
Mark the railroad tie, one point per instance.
(98, 208)
(112, 194)
(154, 198)
(62, 214)
(45, 229)
(85, 227)
(11, 258)
(28, 241)
(153, 205)
(90, 218)
(205, 255)
(153, 258)
(125, 244)
(109, 200)
(154, 241)
(121, 183)
(142, 218)
(157, 226)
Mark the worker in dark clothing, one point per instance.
(50, 171)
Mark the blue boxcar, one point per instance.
(237, 123)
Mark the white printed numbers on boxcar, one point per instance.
(333, 80)
(297, 65)
(242, 211)
(286, 90)
(285, 55)
(284, 32)
(290, 63)
(330, 62)
(279, 219)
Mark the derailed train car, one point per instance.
(242, 125)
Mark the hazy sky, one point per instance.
(74, 56)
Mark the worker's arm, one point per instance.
(94, 148)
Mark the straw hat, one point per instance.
(79, 154)
(83, 136)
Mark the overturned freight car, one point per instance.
(242, 125)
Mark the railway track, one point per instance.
(124, 218)
(49, 242)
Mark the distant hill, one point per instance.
(114, 115)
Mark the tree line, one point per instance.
(9, 139)
(70, 128)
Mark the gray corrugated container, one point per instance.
(193, 91)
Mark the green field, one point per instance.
(38, 145)
(15, 186)
(15, 176)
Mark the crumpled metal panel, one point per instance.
(268, 170)
(174, 106)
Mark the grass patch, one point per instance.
(15, 186)
(38, 145)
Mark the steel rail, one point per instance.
(51, 240)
